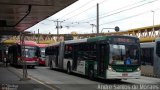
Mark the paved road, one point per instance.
(63, 81)
(11, 79)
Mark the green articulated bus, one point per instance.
(107, 57)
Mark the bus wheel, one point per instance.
(91, 74)
(118, 80)
(33, 66)
(68, 68)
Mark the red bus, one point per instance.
(29, 53)
(42, 58)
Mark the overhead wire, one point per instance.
(130, 8)
(129, 17)
(121, 10)
(123, 18)
(125, 10)
(116, 9)
(79, 13)
(116, 12)
(84, 11)
(76, 9)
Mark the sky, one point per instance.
(80, 17)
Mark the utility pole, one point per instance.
(25, 74)
(97, 19)
(58, 27)
(38, 35)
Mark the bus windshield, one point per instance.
(42, 52)
(29, 52)
(124, 54)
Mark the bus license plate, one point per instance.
(125, 74)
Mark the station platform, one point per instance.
(10, 79)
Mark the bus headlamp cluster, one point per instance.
(138, 69)
(110, 68)
(19, 59)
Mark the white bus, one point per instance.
(99, 57)
(150, 58)
(157, 57)
(147, 58)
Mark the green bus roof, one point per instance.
(101, 38)
(98, 38)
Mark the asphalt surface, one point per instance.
(42, 78)
(11, 79)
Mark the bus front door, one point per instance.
(102, 55)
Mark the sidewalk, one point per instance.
(10, 79)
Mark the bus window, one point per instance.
(68, 52)
(158, 49)
(119, 53)
(29, 53)
(43, 54)
(147, 56)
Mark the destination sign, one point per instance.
(123, 40)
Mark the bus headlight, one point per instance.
(37, 59)
(138, 69)
(18, 59)
(42, 59)
(110, 68)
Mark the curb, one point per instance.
(150, 75)
(19, 74)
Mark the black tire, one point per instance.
(33, 66)
(118, 80)
(68, 68)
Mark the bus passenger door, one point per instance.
(75, 57)
(61, 55)
(102, 56)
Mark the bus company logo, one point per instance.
(149, 87)
(8, 87)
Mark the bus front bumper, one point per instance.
(29, 63)
(123, 75)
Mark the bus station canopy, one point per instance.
(18, 15)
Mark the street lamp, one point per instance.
(116, 29)
(93, 25)
(22, 39)
(153, 18)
